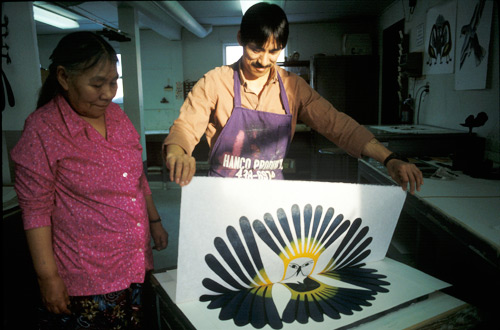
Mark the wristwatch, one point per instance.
(395, 155)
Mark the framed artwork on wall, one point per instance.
(440, 46)
(473, 39)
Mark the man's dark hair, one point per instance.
(262, 21)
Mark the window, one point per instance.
(119, 93)
(233, 52)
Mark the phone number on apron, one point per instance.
(251, 174)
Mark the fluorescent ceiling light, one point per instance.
(245, 4)
(48, 17)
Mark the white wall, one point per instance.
(161, 66)
(444, 106)
(202, 55)
(23, 74)
(24, 70)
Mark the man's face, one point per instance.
(257, 61)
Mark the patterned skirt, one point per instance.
(116, 310)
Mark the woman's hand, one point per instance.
(182, 166)
(405, 173)
(54, 294)
(159, 235)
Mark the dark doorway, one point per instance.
(390, 85)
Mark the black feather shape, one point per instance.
(226, 254)
(329, 301)
(253, 305)
(296, 221)
(214, 286)
(332, 226)
(238, 247)
(362, 277)
(230, 310)
(246, 229)
(314, 309)
(340, 261)
(268, 218)
(358, 259)
(290, 238)
(326, 221)
(218, 269)
(341, 229)
(260, 229)
(317, 219)
(307, 218)
(350, 233)
(284, 224)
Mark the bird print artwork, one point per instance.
(313, 268)
(471, 45)
(474, 31)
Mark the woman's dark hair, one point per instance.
(264, 20)
(76, 52)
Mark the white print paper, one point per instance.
(407, 284)
(280, 254)
(473, 40)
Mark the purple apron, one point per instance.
(253, 144)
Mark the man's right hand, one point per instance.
(182, 166)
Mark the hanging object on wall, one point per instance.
(440, 39)
(164, 100)
(473, 39)
(7, 92)
(179, 90)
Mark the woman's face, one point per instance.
(90, 92)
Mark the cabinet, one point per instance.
(445, 231)
(350, 83)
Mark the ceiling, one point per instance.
(96, 15)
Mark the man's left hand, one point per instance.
(405, 173)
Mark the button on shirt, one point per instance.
(91, 190)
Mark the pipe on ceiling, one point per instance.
(181, 16)
(150, 16)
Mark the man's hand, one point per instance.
(405, 173)
(182, 166)
(402, 172)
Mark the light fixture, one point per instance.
(48, 17)
(245, 4)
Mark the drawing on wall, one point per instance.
(440, 39)
(473, 38)
(313, 275)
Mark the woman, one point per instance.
(83, 193)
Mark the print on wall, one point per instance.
(473, 39)
(440, 39)
(313, 277)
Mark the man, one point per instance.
(249, 110)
